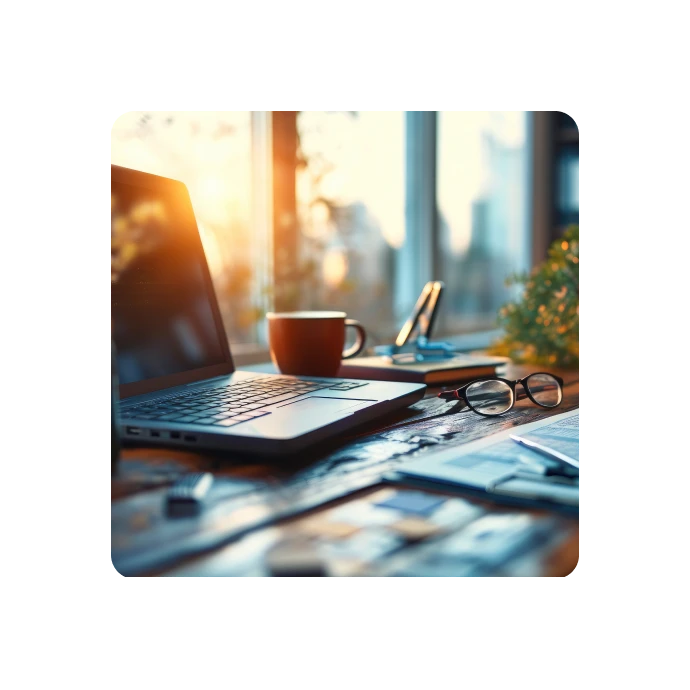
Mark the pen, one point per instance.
(562, 459)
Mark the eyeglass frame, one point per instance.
(461, 393)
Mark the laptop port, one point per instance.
(174, 434)
(133, 430)
(155, 434)
(190, 438)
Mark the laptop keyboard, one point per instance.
(230, 405)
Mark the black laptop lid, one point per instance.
(165, 319)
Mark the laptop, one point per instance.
(177, 381)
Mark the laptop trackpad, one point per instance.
(328, 406)
(301, 417)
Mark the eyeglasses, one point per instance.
(492, 395)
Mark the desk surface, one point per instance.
(251, 495)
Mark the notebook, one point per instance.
(462, 367)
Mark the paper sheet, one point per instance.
(495, 464)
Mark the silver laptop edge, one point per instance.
(289, 427)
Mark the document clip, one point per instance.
(422, 318)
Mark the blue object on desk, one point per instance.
(417, 357)
(422, 319)
(413, 502)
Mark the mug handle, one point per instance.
(361, 339)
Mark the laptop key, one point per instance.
(281, 398)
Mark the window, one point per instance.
(356, 210)
(213, 153)
(484, 228)
(350, 201)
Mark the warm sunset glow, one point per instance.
(211, 195)
(148, 211)
(335, 266)
(211, 153)
(215, 155)
(213, 252)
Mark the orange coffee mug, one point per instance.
(310, 343)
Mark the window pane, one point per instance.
(211, 152)
(567, 185)
(483, 192)
(351, 210)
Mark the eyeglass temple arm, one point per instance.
(450, 395)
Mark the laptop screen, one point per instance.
(164, 314)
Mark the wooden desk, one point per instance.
(251, 492)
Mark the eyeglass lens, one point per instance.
(545, 390)
(490, 397)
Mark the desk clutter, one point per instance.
(392, 531)
(248, 501)
(519, 470)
